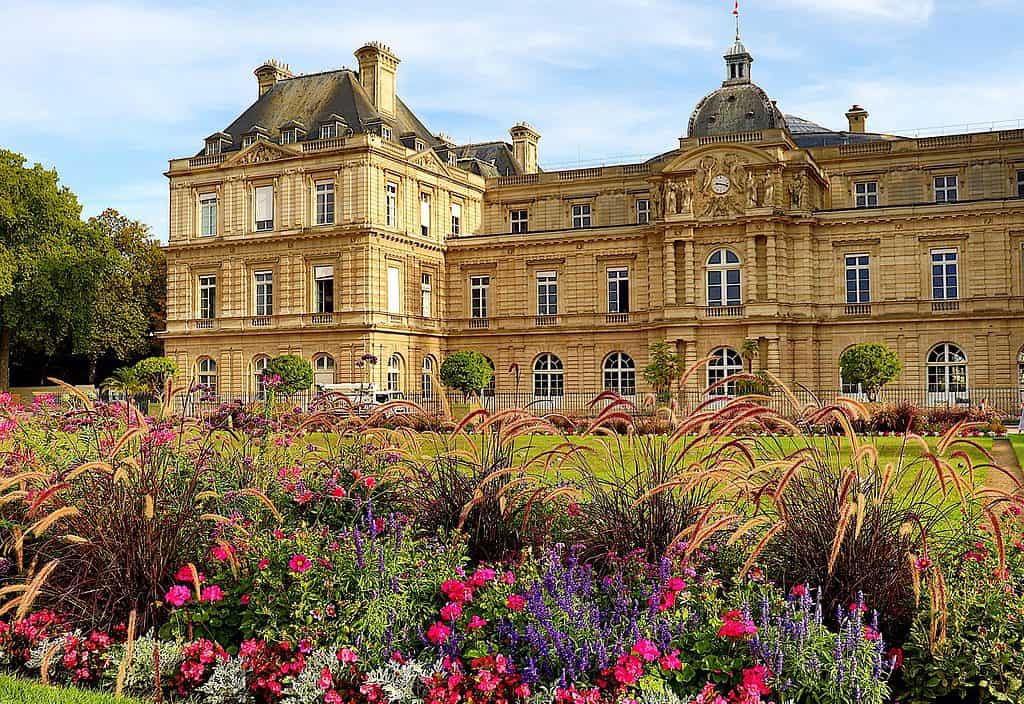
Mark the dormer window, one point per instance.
(248, 140)
(420, 145)
(385, 132)
(292, 131)
(454, 160)
(257, 132)
(289, 136)
(212, 147)
(333, 126)
(215, 143)
(328, 131)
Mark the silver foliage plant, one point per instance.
(402, 683)
(226, 685)
(305, 688)
(140, 679)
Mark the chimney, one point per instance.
(378, 68)
(524, 146)
(270, 73)
(858, 118)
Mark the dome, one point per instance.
(742, 107)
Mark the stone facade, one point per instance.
(753, 235)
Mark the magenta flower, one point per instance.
(438, 633)
(213, 593)
(646, 649)
(178, 595)
(299, 563)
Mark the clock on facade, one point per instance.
(720, 184)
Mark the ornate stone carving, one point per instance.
(798, 191)
(260, 152)
(657, 198)
(720, 186)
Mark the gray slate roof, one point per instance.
(489, 159)
(809, 134)
(734, 108)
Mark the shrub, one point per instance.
(902, 417)
(288, 374)
(870, 366)
(154, 372)
(467, 371)
(664, 368)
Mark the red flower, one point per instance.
(896, 658)
(646, 649)
(212, 593)
(451, 611)
(457, 591)
(671, 661)
(628, 669)
(735, 626)
(798, 591)
(178, 595)
(438, 633)
(476, 622)
(299, 563)
(516, 602)
(754, 680)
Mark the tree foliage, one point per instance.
(466, 371)
(296, 373)
(665, 367)
(871, 366)
(152, 373)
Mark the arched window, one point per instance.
(323, 369)
(620, 374)
(725, 362)
(947, 370)
(206, 373)
(724, 279)
(548, 376)
(259, 365)
(427, 378)
(395, 372)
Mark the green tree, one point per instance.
(129, 301)
(51, 263)
(664, 368)
(152, 374)
(125, 381)
(296, 374)
(870, 366)
(749, 351)
(466, 371)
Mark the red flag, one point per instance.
(736, 9)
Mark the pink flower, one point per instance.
(628, 669)
(299, 563)
(347, 656)
(646, 649)
(326, 681)
(515, 602)
(482, 576)
(798, 591)
(438, 633)
(213, 593)
(870, 633)
(245, 599)
(735, 626)
(508, 578)
(922, 564)
(221, 553)
(667, 601)
(178, 595)
(451, 611)
(263, 564)
(671, 661)
(185, 575)
(754, 680)
(476, 622)
(456, 591)
(676, 584)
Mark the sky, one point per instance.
(107, 92)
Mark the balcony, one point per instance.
(724, 311)
(321, 319)
(202, 324)
(545, 321)
(262, 321)
(616, 318)
(858, 310)
(948, 306)
(479, 323)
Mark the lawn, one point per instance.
(15, 691)
(1017, 440)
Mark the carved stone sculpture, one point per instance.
(671, 205)
(752, 201)
(798, 191)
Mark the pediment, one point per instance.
(690, 161)
(259, 152)
(429, 160)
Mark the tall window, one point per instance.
(724, 279)
(328, 131)
(1020, 184)
(289, 136)
(520, 220)
(207, 297)
(323, 289)
(325, 202)
(456, 218)
(867, 194)
(391, 204)
(264, 282)
(548, 376)
(259, 365)
(858, 278)
(208, 214)
(947, 370)
(479, 293)
(213, 147)
(620, 374)
(945, 275)
(946, 189)
(547, 293)
(264, 208)
(725, 362)
(618, 290)
(427, 378)
(206, 373)
(426, 293)
(385, 132)
(643, 211)
(581, 216)
(394, 373)
(425, 214)
(394, 290)
(323, 370)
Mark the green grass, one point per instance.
(15, 691)
(1017, 440)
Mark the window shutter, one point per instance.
(264, 203)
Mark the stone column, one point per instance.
(669, 264)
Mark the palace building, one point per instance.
(328, 221)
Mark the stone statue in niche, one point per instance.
(685, 196)
(768, 187)
(671, 204)
(657, 200)
(752, 190)
(798, 191)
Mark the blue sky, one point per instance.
(107, 92)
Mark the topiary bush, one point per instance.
(288, 374)
(466, 371)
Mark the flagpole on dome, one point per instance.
(736, 13)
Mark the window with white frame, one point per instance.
(325, 202)
(420, 145)
(724, 279)
(945, 275)
(858, 278)
(947, 370)
(426, 294)
(323, 289)
(208, 214)
(867, 194)
(391, 204)
(213, 147)
(248, 140)
(328, 131)
(456, 218)
(427, 379)
(520, 221)
(547, 293)
(264, 290)
(395, 373)
(323, 370)
(643, 211)
(263, 197)
(620, 374)
(946, 189)
(206, 373)
(581, 216)
(725, 362)
(290, 136)
(548, 376)
(1020, 184)
(394, 290)
(259, 386)
(479, 295)
(425, 214)
(385, 132)
(618, 290)
(207, 297)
